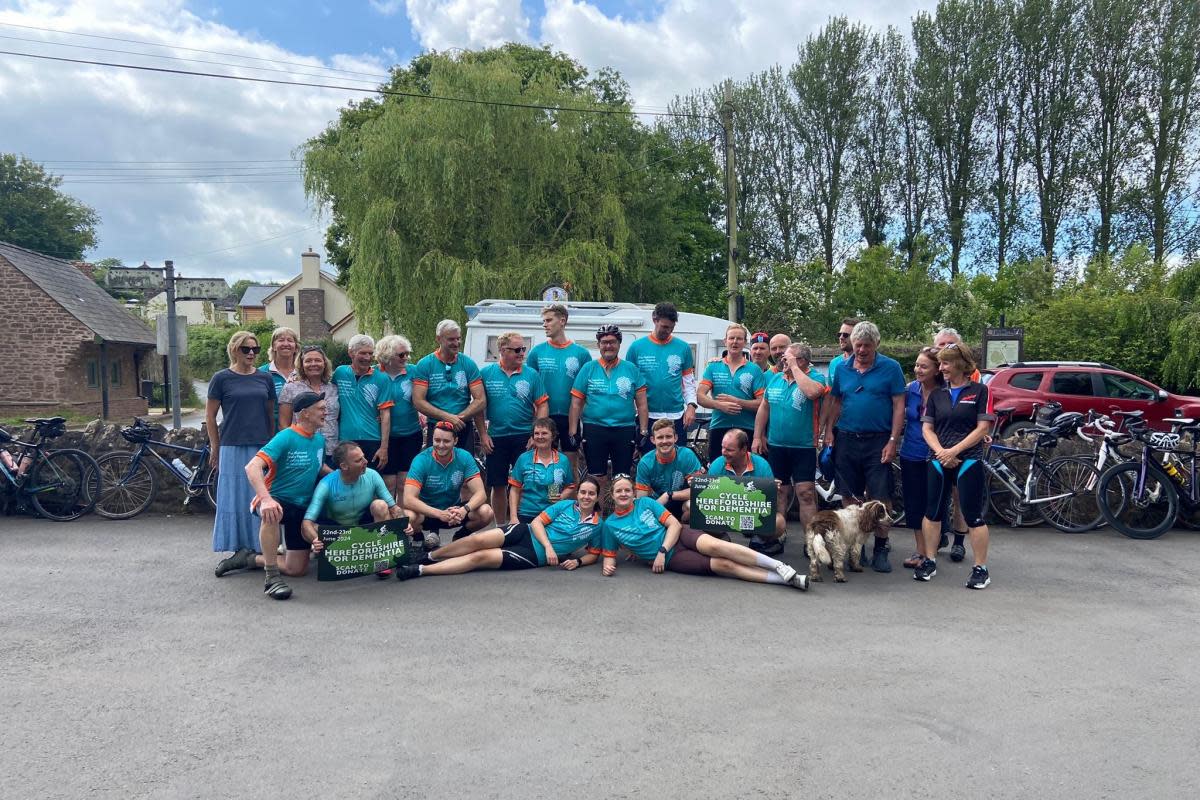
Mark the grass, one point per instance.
(74, 418)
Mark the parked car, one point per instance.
(1082, 386)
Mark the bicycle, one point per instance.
(129, 485)
(60, 485)
(1158, 492)
(828, 496)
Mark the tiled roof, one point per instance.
(79, 295)
(254, 296)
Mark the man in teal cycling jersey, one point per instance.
(670, 371)
(558, 360)
(737, 461)
(446, 385)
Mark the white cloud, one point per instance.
(76, 112)
(442, 24)
(387, 7)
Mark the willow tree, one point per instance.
(439, 203)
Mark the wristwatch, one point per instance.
(662, 550)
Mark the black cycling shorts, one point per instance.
(518, 552)
(793, 464)
(561, 422)
(505, 450)
(401, 452)
(602, 443)
(291, 524)
(969, 476)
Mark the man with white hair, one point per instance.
(447, 386)
(364, 401)
(866, 419)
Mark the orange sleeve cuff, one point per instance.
(515, 483)
(543, 518)
(541, 400)
(388, 404)
(641, 487)
(666, 515)
(412, 482)
(579, 394)
(420, 382)
(688, 371)
(705, 382)
(760, 393)
(476, 382)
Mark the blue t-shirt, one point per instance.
(656, 476)
(558, 365)
(913, 446)
(867, 396)
(664, 365)
(362, 397)
(294, 459)
(566, 531)
(344, 503)
(609, 392)
(243, 398)
(794, 418)
(535, 479)
(441, 484)
(404, 416)
(759, 468)
(512, 399)
(746, 382)
(641, 529)
(449, 385)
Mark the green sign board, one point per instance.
(725, 504)
(361, 549)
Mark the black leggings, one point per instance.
(969, 477)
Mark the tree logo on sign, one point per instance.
(739, 506)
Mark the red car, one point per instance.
(1083, 386)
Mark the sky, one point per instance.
(201, 170)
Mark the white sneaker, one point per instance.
(800, 581)
(281, 549)
(786, 572)
(432, 542)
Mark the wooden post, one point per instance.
(732, 286)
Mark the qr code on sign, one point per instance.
(745, 523)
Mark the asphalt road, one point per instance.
(128, 670)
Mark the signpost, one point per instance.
(356, 550)
(726, 504)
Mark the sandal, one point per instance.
(913, 561)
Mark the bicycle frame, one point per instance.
(1024, 494)
(193, 485)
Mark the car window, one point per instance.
(1124, 388)
(1026, 380)
(1077, 383)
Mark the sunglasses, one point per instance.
(248, 350)
(622, 476)
(312, 348)
(514, 349)
(404, 354)
(843, 335)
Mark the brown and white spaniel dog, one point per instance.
(832, 535)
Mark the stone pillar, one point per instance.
(311, 312)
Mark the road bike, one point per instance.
(128, 483)
(1160, 486)
(61, 485)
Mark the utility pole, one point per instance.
(732, 287)
(173, 346)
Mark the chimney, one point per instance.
(85, 267)
(310, 270)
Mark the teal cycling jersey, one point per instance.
(664, 365)
(294, 459)
(404, 416)
(558, 365)
(609, 390)
(746, 382)
(641, 529)
(657, 477)
(538, 480)
(440, 484)
(344, 503)
(793, 416)
(512, 399)
(361, 398)
(448, 386)
(566, 531)
(758, 468)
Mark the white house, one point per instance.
(312, 303)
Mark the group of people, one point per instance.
(302, 444)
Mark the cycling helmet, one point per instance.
(608, 330)
(1068, 423)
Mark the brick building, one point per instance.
(69, 345)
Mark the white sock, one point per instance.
(766, 561)
(420, 569)
(773, 577)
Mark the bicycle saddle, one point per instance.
(1177, 421)
(1128, 414)
(46, 421)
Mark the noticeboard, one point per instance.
(1002, 346)
(728, 504)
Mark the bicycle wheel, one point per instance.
(126, 489)
(210, 491)
(1078, 511)
(1145, 514)
(1008, 507)
(63, 485)
(897, 494)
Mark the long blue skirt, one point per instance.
(234, 527)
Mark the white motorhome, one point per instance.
(487, 319)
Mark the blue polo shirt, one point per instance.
(664, 365)
(641, 529)
(360, 399)
(657, 476)
(794, 418)
(448, 385)
(867, 396)
(566, 531)
(294, 459)
(609, 392)
(913, 446)
(535, 478)
(746, 382)
(512, 399)
(759, 468)
(441, 484)
(404, 416)
(558, 365)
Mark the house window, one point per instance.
(289, 305)
(114, 374)
(93, 375)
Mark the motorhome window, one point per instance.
(493, 348)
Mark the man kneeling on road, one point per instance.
(354, 495)
(665, 473)
(737, 460)
(283, 475)
(439, 478)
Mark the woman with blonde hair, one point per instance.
(313, 374)
(245, 397)
(282, 364)
(394, 354)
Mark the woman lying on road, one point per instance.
(565, 526)
(650, 532)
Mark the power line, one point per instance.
(211, 161)
(388, 92)
(252, 242)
